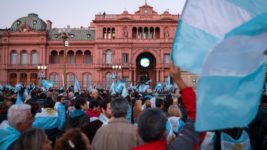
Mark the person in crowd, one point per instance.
(119, 134)
(33, 139)
(90, 129)
(106, 111)
(4, 108)
(19, 119)
(258, 126)
(78, 117)
(159, 103)
(167, 103)
(94, 111)
(95, 96)
(61, 110)
(152, 128)
(32, 97)
(48, 118)
(137, 110)
(175, 118)
(73, 139)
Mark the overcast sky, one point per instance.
(77, 13)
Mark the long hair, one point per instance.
(31, 139)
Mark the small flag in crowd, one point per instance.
(47, 84)
(18, 88)
(76, 85)
(224, 42)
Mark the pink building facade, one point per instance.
(112, 46)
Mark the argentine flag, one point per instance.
(223, 41)
(76, 85)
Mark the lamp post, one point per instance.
(41, 69)
(64, 34)
(116, 67)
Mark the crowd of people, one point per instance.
(98, 120)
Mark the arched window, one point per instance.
(23, 78)
(24, 57)
(33, 78)
(34, 57)
(134, 33)
(146, 33)
(105, 33)
(87, 80)
(54, 58)
(109, 33)
(13, 79)
(70, 79)
(88, 57)
(108, 57)
(113, 33)
(157, 33)
(71, 57)
(108, 80)
(54, 77)
(13, 57)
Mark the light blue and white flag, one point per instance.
(76, 85)
(18, 88)
(124, 92)
(47, 84)
(33, 86)
(223, 41)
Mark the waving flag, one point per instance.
(223, 41)
(124, 92)
(18, 88)
(47, 84)
(76, 85)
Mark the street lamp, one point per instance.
(116, 67)
(64, 35)
(42, 69)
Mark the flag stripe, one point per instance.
(242, 57)
(213, 16)
(239, 98)
(188, 51)
(250, 5)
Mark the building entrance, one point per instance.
(146, 68)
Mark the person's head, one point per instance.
(94, 105)
(105, 107)
(73, 139)
(119, 107)
(33, 139)
(94, 93)
(137, 109)
(91, 128)
(49, 103)
(80, 103)
(5, 105)
(168, 101)
(71, 95)
(174, 110)
(20, 117)
(151, 125)
(61, 99)
(159, 103)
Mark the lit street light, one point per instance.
(42, 69)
